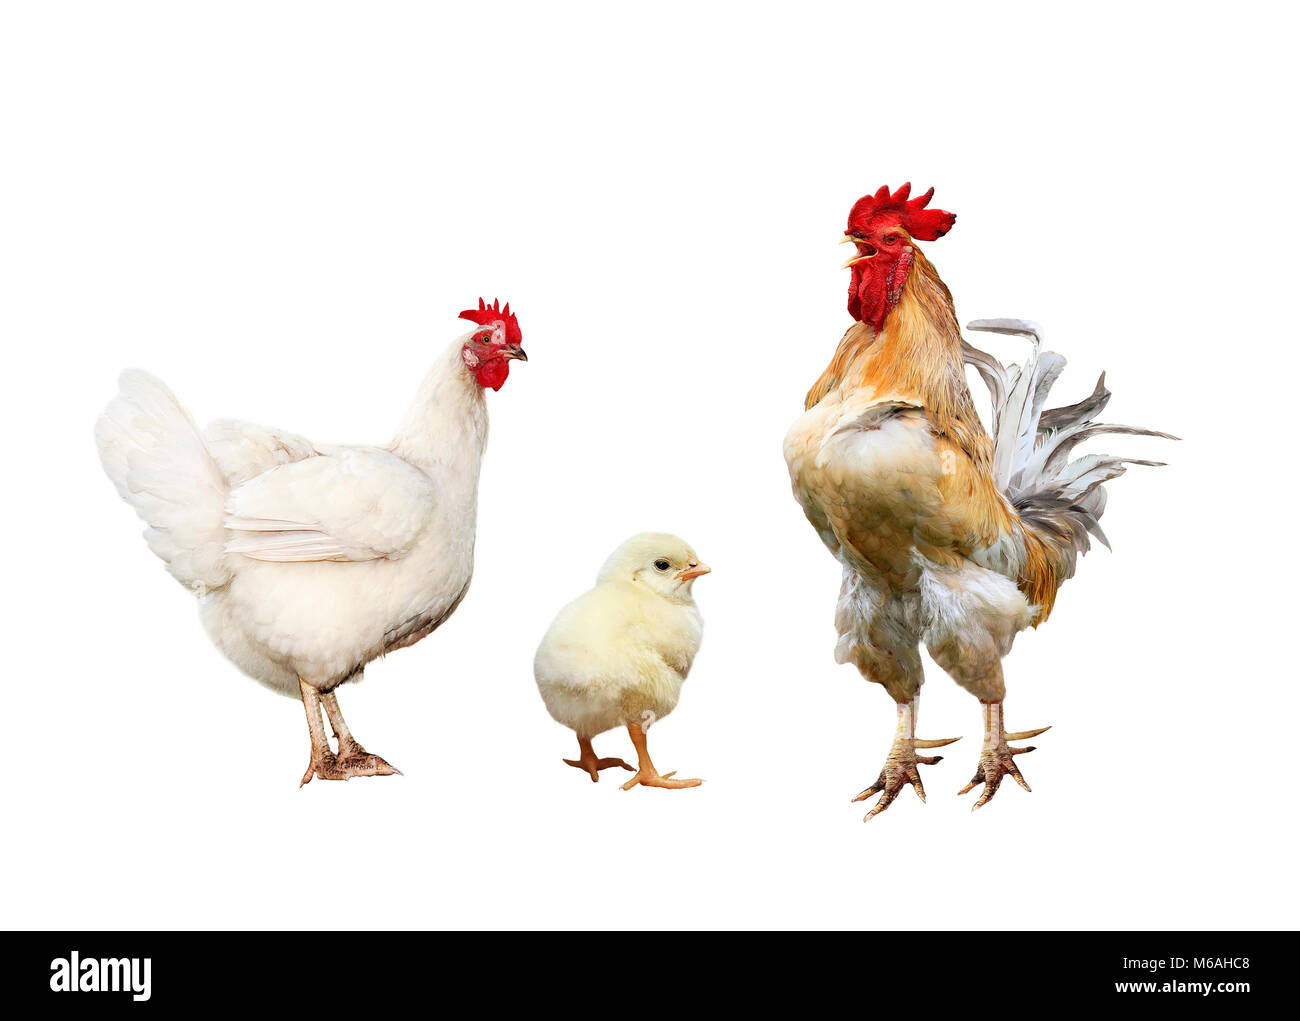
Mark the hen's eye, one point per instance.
(661, 565)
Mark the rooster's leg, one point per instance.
(646, 774)
(901, 763)
(352, 758)
(997, 758)
(587, 760)
(323, 761)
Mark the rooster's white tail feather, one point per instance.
(1032, 447)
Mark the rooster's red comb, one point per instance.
(921, 223)
(487, 315)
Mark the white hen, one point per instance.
(308, 562)
(618, 654)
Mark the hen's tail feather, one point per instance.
(1060, 502)
(156, 458)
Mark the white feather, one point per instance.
(155, 457)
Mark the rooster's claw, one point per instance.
(998, 758)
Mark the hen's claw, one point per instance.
(356, 761)
(326, 766)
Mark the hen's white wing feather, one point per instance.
(243, 450)
(346, 504)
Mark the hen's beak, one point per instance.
(694, 572)
(514, 351)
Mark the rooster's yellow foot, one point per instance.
(900, 770)
(996, 761)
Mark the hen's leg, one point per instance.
(587, 760)
(352, 758)
(646, 774)
(323, 761)
(900, 765)
(997, 757)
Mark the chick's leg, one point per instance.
(587, 760)
(352, 758)
(646, 774)
(901, 763)
(997, 757)
(323, 761)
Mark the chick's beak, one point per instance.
(514, 351)
(694, 571)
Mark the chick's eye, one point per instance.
(661, 565)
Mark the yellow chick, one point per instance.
(617, 655)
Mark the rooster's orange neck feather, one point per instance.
(916, 357)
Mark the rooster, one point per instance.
(309, 561)
(947, 536)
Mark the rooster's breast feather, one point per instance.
(347, 504)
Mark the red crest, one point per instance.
(882, 209)
(490, 315)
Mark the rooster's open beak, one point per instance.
(514, 351)
(694, 572)
(857, 258)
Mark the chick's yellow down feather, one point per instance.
(619, 653)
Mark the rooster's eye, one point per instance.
(661, 565)
(890, 238)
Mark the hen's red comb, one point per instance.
(487, 315)
(921, 223)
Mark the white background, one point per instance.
(280, 208)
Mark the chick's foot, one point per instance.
(900, 768)
(653, 779)
(588, 761)
(997, 758)
(646, 774)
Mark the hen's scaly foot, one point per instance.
(651, 779)
(997, 759)
(356, 761)
(326, 766)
